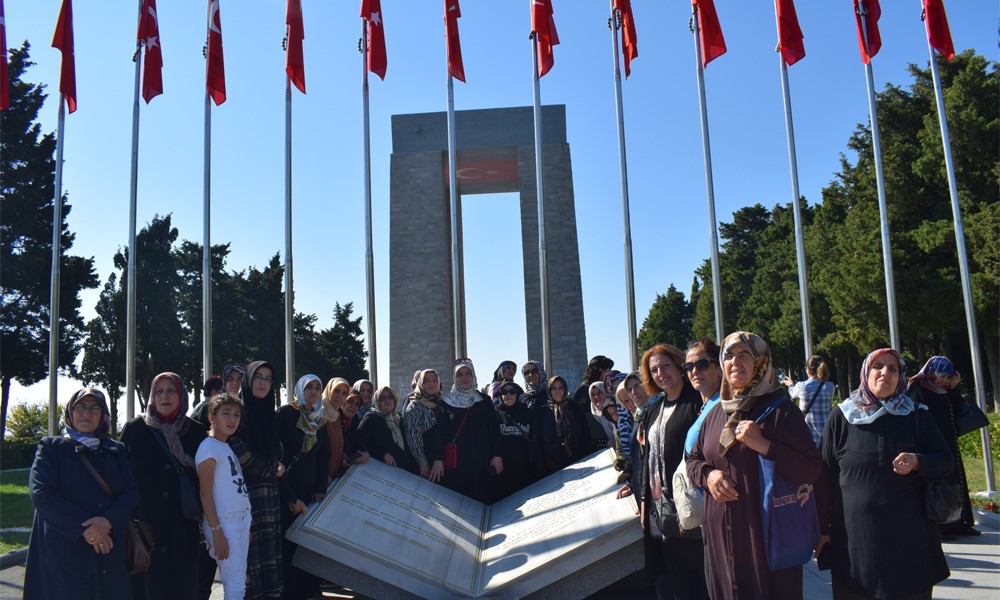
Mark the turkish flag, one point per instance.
(938, 31)
(295, 64)
(377, 61)
(789, 34)
(629, 49)
(713, 45)
(63, 40)
(452, 12)
(873, 12)
(149, 34)
(215, 74)
(4, 73)
(545, 34)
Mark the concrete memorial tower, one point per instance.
(495, 154)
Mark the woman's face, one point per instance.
(386, 403)
(612, 412)
(262, 380)
(165, 398)
(464, 378)
(86, 415)
(508, 372)
(432, 384)
(508, 395)
(636, 392)
(351, 407)
(883, 376)
(738, 366)
(366, 390)
(704, 374)
(340, 394)
(233, 382)
(557, 391)
(531, 375)
(597, 396)
(312, 392)
(666, 375)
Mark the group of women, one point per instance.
(700, 413)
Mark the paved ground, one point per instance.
(974, 562)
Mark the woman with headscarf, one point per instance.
(380, 431)
(472, 428)
(306, 451)
(334, 396)
(425, 426)
(517, 423)
(536, 383)
(632, 396)
(936, 387)
(366, 389)
(602, 431)
(880, 450)
(79, 531)
(354, 453)
(161, 447)
(504, 373)
(562, 436)
(725, 463)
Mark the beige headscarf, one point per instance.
(331, 412)
(737, 403)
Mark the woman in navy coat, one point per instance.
(78, 536)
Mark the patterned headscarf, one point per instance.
(936, 366)
(310, 417)
(391, 417)
(463, 398)
(737, 403)
(543, 378)
(91, 440)
(421, 395)
(172, 424)
(863, 407)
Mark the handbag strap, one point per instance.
(100, 480)
(461, 425)
(812, 400)
(769, 410)
(163, 444)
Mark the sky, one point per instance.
(666, 176)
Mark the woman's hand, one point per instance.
(97, 534)
(721, 487)
(425, 472)
(624, 492)
(750, 434)
(437, 471)
(906, 462)
(823, 541)
(788, 381)
(221, 544)
(279, 470)
(361, 458)
(318, 497)
(497, 464)
(298, 507)
(389, 460)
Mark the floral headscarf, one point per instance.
(170, 425)
(936, 366)
(737, 403)
(90, 440)
(310, 417)
(863, 407)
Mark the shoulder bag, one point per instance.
(139, 545)
(688, 499)
(942, 499)
(451, 448)
(969, 419)
(187, 490)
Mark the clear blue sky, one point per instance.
(666, 174)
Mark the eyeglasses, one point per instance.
(530, 372)
(508, 392)
(89, 409)
(262, 379)
(463, 361)
(700, 365)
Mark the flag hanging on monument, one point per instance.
(713, 44)
(149, 35)
(789, 34)
(938, 31)
(295, 64)
(377, 60)
(215, 74)
(4, 72)
(63, 40)
(629, 48)
(874, 43)
(546, 37)
(452, 12)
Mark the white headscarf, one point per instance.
(460, 398)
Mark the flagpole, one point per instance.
(890, 288)
(709, 187)
(130, 350)
(963, 267)
(542, 267)
(56, 267)
(369, 257)
(800, 249)
(206, 272)
(615, 25)
(457, 280)
(289, 292)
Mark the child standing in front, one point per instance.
(224, 495)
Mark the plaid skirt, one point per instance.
(264, 574)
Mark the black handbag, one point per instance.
(187, 490)
(943, 501)
(665, 513)
(969, 419)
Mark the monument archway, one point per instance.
(495, 154)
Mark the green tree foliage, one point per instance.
(342, 344)
(30, 421)
(27, 185)
(669, 320)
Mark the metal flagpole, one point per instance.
(206, 267)
(289, 292)
(963, 267)
(615, 24)
(709, 187)
(369, 257)
(56, 260)
(133, 203)
(800, 248)
(457, 281)
(542, 267)
(890, 287)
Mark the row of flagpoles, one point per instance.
(709, 45)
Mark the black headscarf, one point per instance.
(260, 421)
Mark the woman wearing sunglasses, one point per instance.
(701, 364)
(516, 429)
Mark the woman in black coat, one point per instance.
(472, 427)
(161, 445)
(78, 535)
(561, 436)
(380, 432)
(516, 422)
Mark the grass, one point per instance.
(975, 473)
(15, 509)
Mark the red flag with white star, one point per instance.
(872, 14)
(629, 49)
(452, 12)
(789, 34)
(713, 45)
(546, 37)
(63, 40)
(295, 64)
(938, 31)
(372, 11)
(4, 73)
(149, 35)
(215, 73)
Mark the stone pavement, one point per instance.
(974, 562)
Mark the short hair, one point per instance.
(213, 385)
(670, 350)
(222, 399)
(708, 346)
(595, 366)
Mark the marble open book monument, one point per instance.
(384, 532)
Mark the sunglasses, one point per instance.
(701, 365)
(463, 361)
(508, 392)
(530, 372)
